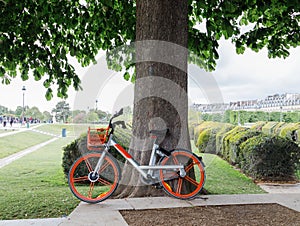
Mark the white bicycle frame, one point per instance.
(147, 171)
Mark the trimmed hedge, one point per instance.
(78, 147)
(269, 158)
(254, 151)
(233, 139)
(206, 136)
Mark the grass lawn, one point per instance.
(222, 178)
(35, 187)
(20, 141)
(72, 129)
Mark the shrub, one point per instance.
(268, 127)
(220, 136)
(290, 131)
(227, 141)
(258, 126)
(234, 140)
(269, 158)
(78, 147)
(206, 136)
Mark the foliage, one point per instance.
(241, 117)
(269, 157)
(37, 36)
(206, 134)
(254, 150)
(62, 111)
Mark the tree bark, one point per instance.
(160, 99)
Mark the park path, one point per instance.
(17, 129)
(7, 160)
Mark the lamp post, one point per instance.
(23, 110)
(96, 105)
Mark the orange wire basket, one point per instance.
(96, 138)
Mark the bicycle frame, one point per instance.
(145, 170)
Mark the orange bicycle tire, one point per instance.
(99, 189)
(182, 187)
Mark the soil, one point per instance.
(258, 214)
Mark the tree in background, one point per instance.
(37, 36)
(61, 111)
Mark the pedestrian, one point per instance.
(11, 121)
(4, 121)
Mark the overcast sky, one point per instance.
(237, 77)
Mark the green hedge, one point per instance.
(78, 147)
(206, 135)
(257, 150)
(233, 139)
(269, 158)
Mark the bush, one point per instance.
(268, 127)
(258, 126)
(233, 141)
(206, 136)
(78, 147)
(227, 141)
(269, 158)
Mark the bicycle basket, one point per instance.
(96, 138)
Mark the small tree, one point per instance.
(61, 111)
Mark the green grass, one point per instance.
(72, 129)
(35, 187)
(20, 141)
(222, 178)
(6, 130)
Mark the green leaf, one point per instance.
(126, 76)
(49, 94)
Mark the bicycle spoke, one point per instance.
(187, 169)
(179, 186)
(105, 182)
(88, 165)
(81, 179)
(103, 167)
(91, 190)
(191, 180)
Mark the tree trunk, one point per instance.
(160, 99)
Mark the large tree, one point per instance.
(38, 35)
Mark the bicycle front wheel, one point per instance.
(182, 186)
(90, 186)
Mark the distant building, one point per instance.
(277, 102)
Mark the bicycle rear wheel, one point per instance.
(90, 186)
(182, 187)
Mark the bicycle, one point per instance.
(95, 176)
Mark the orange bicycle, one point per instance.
(95, 176)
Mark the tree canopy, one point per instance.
(39, 36)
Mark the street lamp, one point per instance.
(96, 105)
(23, 110)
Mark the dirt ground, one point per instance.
(258, 214)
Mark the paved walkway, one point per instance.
(107, 213)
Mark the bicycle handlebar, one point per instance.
(112, 125)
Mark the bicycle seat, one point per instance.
(159, 132)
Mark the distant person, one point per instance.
(4, 121)
(11, 121)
